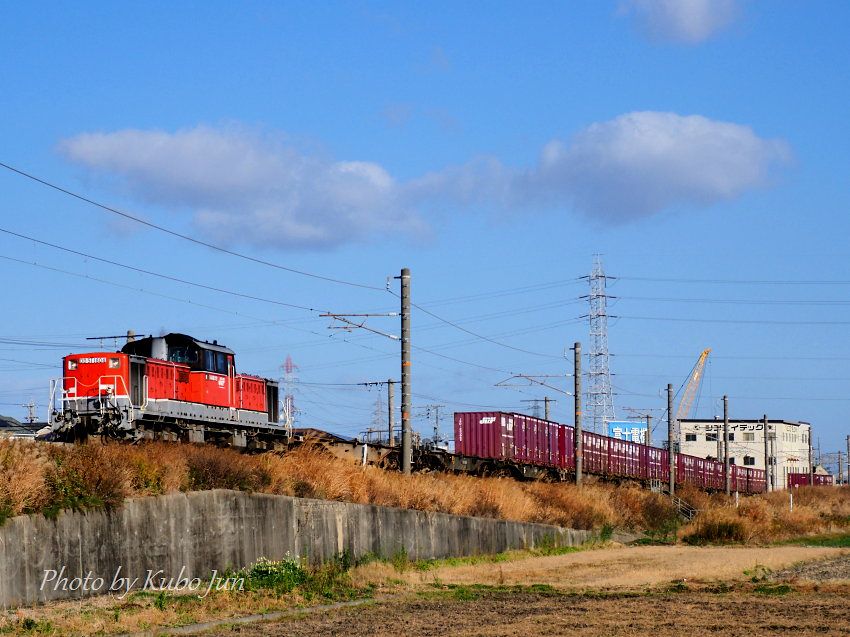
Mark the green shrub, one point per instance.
(282, 575)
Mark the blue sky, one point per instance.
(490, 147)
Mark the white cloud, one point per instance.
(245, 185)
(633, 166)
(249, 188)
(688, 21)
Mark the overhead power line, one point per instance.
(501, 293)
(736, 321)
(185, 237)
(166, 277)
(737, 281)
(730, 301)
(476, 335)
(755, 358)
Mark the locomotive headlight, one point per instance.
(72, 364)
(114, 363)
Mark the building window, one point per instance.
(731, 437)
(690, 437)
(731, 460)
(749, 437)
(711, 437)
(749, 461)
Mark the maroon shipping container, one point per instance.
(625, 458)
(484, 435)
(758, 481)
(524, 439)
(657, 467)
(686, 470)
(594, 453)
(533, 439)
(802, 480)
(566, 447)
(508, 436)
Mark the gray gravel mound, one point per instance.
(834, 569)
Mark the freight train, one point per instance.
(521, 445)
(179, 388)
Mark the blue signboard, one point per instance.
(625, 430)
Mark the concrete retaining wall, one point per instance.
(215, 530)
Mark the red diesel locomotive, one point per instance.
(172, 387)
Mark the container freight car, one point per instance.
(803, 480)
(516, 441)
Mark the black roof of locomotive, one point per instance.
(142, 346)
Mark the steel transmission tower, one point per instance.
(600, 400)
(289, 380)
(378, 414)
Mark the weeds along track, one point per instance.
(40, 477)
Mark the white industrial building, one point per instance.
(788, 445)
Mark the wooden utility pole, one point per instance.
(406, 398)
(671, 455)
(767, 456)
(727, 472)
(579, 452)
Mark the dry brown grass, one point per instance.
(23, 466)
(769, 517)
(39, 477)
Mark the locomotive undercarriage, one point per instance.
(116, 417)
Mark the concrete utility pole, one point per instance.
(840, 468)
(670, 449)
(406, 431)
(719, 443)
(546, 407)
(648, 439)
(727, 472)
(391, 411)
(811, 463)
(579, 452)
(767, 457)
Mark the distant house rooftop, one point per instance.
(13, 428)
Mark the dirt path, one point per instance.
(513, 614)
(618, 591)
(623, 568)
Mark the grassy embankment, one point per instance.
(42, 478)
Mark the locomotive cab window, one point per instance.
(215, 362)
(183, 355)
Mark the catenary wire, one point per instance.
(185, 237)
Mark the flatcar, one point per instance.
(172, 387)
